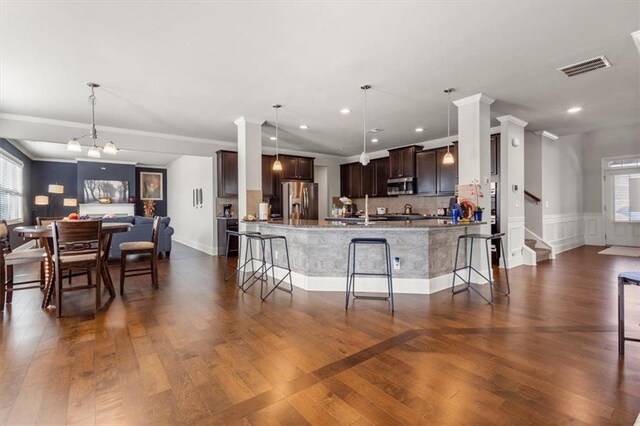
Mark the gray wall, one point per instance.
(533, 181)
(599, 144)
(562, 188)
(52, 172)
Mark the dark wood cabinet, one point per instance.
(402, 161)
(447, 174)
(296, 168)
(268, 184)
(357, 180)
(495, 154)
(426, 173)
(227, 174)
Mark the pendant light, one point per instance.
(448, 157)
(277, 166)
(94, 151)
(364, 157)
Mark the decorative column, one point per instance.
(249, 166)
(511, 191)
(474, 163)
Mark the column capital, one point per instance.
(547, 134)
(479, 98)
(512, 119)
(241, 121)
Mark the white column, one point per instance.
(474, 163)
(249, 166)
(511, 191)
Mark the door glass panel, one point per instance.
(626, 197)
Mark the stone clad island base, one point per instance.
(318, 253)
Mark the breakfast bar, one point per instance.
(422, 253)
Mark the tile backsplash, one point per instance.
(221, 201)
(422, 205)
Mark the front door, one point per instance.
(622, 207)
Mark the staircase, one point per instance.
(542, 254)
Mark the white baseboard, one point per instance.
(213, 251)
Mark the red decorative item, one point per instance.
(132, 199)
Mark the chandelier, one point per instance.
(94, 151)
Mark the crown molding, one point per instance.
(54, 160)
(548, 135)
(479, 98)
(247, 120)
(119, 130)
(99, 160)
(20, 148)
(512, 119)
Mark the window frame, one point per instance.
(20, 164)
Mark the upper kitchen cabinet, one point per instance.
(357, 180)
(402, 162)
(227, 174)
(296, 168)
(495, 154)
(351, 180)
(382, 176)
(268, 183)
(426, 172)
(447, 173)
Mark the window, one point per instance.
(10, 188)
(626, 197)
(623, 162)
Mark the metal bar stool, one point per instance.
(239, 235)
(625, 278)
(487, 239)
(351, 271)
(264, 269)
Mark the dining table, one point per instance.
(44, 235)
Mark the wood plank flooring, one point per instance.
(197, 351)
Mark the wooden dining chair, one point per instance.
(141, 247)
(8, 259)
(77, 244)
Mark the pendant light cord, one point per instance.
(448, 119)
(92, 101)
(277, 124)
(364, 124)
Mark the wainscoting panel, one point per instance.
(563, 231)
(515, 242)
(593, 229)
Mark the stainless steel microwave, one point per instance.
(401, 186)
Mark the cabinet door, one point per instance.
(395, 163)
(355, 180)
(426, 172)
(267, 176)
(227, 174)
(289, 167)
(382, 176)
(495, 154)
(409, 162)
(305, 168)
(368, 177)
(345, 185)
(447, 173)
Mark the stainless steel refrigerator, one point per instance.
(300, 200)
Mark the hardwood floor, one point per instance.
(198, 351)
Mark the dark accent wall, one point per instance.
(161, 206)
(88, 170)
(53, 172)
(27, 200)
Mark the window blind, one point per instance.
(626, 197)
(10, 188)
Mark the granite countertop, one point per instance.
(408, 225)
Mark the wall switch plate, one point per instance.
(396, 263)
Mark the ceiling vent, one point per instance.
(585, 66)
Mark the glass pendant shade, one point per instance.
(277, 166)
(94, 152)
(74, 145)
(364, 158)
(70, 202)
(448, 158)
(56, 189)
(42, 200)
(110, 148)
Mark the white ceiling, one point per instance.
(191, 68)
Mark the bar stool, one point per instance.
(352, 273)
(264, 269)
(487, 239)
(239, 235)
(625, 278)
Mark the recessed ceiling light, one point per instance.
(573, 110)
(374, 140)
(345, 111)
(273, 138)
(304, 126)
(419, 129)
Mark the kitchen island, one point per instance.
(425, 251)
